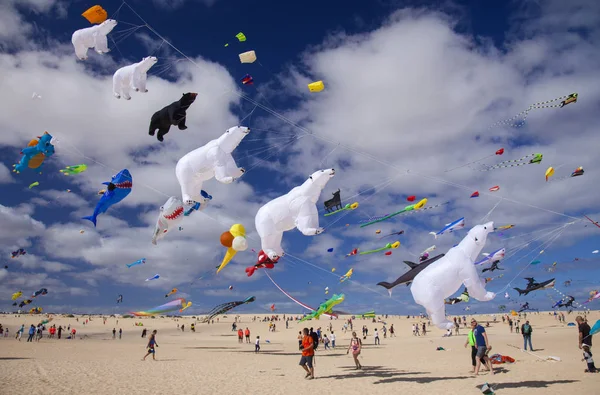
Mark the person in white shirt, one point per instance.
(257, 344)
(332, 338)
(377, 337)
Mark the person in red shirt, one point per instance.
(247, 333)
(240, 336)
(308, 353)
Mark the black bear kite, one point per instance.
(173, 114)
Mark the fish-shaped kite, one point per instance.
(492, 257)
(171, 214)
(138, 262)
(347, 275)
(452, 226)
(173, 291)
(117, 189)
(155, 277)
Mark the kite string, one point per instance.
(574, 302)
(291, 123)
(485, 217)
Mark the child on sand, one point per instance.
(151, 344)
(257, 344)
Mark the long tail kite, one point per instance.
(296, 300)
(173, 305)
(564, 100)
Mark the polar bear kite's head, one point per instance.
(232, 138)
(475, 240)
(316, 182)
(107, 26)
(147, 63)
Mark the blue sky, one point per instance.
(411, 90)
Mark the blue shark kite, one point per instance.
(118, 189)
(493, 257)
(452, 226)
(155, 277)
(138, 262)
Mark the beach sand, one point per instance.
(212, 361)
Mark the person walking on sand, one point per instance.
(151, 344)
(120, 332)
(356, 347)
(332, 338)
(257, 344)
(31, 333)
(377, 341)
(482, 344)
(308, 353)
(20, 332)
(526, 331)
(240, 335)
(392, 334)
(114, 333)
(247, 333)
(471, 341)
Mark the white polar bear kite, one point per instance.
(296, 209)
(92, 37)
(211, 160)
(444, 277)
(132, 76)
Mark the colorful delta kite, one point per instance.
(138, 262)
(234, 240)
(173, 305)
(71, 170)
(18, 253)
(316, 86)
(42, 291)
(173, 292)
(475, 194)
(117, 189)
(35, 153)
(519, 119)
(95, 14)
(388, 246)
(296, 300)
(248, 57)
(225, 307)
(410, 207)
(451, 227)
(247, 80)
(240, 36)
(325, 307)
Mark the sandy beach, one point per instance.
(212, 361)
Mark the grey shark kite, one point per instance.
(534, 286)
(408, 277)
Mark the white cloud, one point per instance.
(5, 175)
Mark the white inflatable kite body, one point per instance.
(171, 214)
(92, 37)
(211, 160)
(296, 209)
(132, 76)
(444, 277)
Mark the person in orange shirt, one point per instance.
(247, 333)
(240, 335)
(308, 353)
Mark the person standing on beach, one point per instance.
(240, 335)
(471, 341)
(584, 333)
(308, 353)
(356, 347)
(59, 331)
(377, 337)
(424, 329)
(257, 344)
(20, 332)
(482, 344)
(151, 344)
(526, 330)
(392, 334)
(120, 332)
(332, 338)
(31, 333)
(114, 333)
(300, 337)
(247, 333)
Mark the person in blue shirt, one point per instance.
(483, 346)
(31, 333)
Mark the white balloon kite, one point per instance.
(92, 37)
(444, 277)
(132, 76)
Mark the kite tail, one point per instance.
(385, 285)
(91, 218)
(434, 234)
(520, 291)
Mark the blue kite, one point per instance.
(118, 189)
(35, 153)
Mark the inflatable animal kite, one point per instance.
(171, 214)
(295, 209)
(92, 37)
(36, 152)
(211, 160)
(173, 114)
(132, 76)
(117, 189)
(444, 277)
